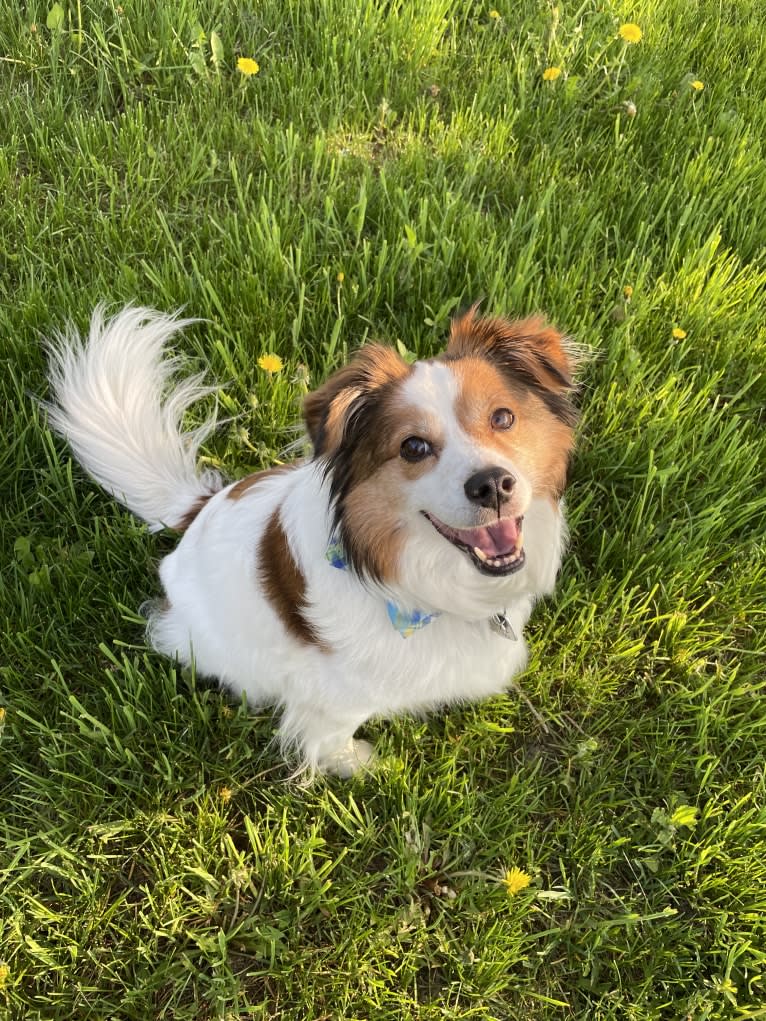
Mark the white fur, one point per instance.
(112, 406)
(217, 614)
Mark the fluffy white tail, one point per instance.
(113, 402)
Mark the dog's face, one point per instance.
(434, 467)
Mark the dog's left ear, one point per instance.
(500, 339)
(528, 351)
(327, 410)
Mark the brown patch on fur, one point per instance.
(367, 474)
(326, 410)
(527, 351)
(284, 584)
(357, 421)
(238, 490)
(336, 416)
(372, 529)
(192, 512)
(539, 442)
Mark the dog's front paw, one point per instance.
(352, 758)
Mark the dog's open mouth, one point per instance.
(495, 549)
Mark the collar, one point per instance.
(407, 622)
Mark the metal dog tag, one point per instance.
(502, 626)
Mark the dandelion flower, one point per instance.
(225, 794)
(248, 66)
(494, 14)
(550, 74)
(271, 363)
(516, 880)
(678, 333)
(630, 33)
(341, 277)
(627, 292)
(697, 85)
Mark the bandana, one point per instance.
(406, 622)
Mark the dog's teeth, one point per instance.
(498, 562)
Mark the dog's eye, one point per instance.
(502, 418)
(415, 448)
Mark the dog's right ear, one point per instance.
(327, 410)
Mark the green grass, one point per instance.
(153, 862)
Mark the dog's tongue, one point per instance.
(493, 540)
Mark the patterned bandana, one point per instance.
(406, 622)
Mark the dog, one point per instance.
(392, 571)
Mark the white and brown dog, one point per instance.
(387, 573)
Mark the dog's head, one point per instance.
(437, 469)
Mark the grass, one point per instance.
(387, 165)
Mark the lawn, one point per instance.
(385, 165)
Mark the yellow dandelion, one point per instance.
(550, 74)
(678, 333)
(271, 363)
(697, 85)
(516, 880)
(630, 33)
(627, 292)
(494, 14)
(5, 973)
(341, 277)
(248, 66)
(225, 794)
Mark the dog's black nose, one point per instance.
(490, 487)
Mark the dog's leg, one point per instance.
(325, 741)
(356, 755)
